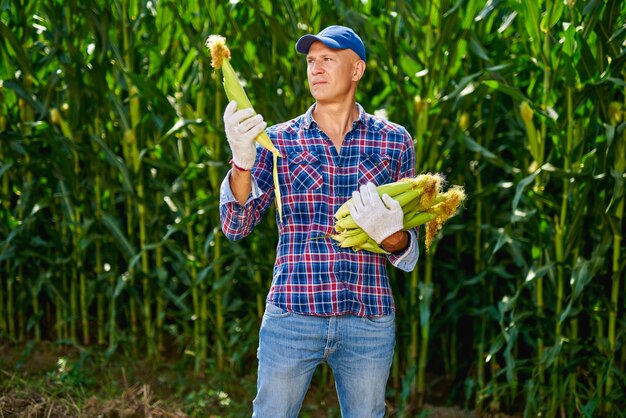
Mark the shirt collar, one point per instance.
(309, 121)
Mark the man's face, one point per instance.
(331, 72)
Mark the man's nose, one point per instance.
(316, 67)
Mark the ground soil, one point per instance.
(44, 381)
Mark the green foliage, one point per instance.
(112, 154)
(69, 373)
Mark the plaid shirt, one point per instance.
(315, 276)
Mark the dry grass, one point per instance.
(32, 384)
(135, 402)
(31, 404)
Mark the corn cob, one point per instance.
(220, 59)
(407, 199)
(345, 223)
(415, 219)
(359, 238)
(392, 189)
(422, 202)
(444, 211)
(371, 246)
(414, 192)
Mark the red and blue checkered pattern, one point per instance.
(312, 274)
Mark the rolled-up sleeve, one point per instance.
(238, 220)
(407, 260)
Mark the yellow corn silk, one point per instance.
(220, 60)
(423, 202)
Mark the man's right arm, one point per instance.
(240, 184)
(240, 215)
(240, 206)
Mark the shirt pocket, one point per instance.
(374, 168)
(305, 171)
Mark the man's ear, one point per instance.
(358, 68)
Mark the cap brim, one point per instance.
(305, 42)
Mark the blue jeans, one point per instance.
(358, 350)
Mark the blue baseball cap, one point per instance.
(336, 37)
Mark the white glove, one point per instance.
(241, 130)
(379, 218)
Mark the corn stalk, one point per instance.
(617, 266)
(413, 51)
(215, 142)
(6, 299)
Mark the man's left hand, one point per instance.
(378, 217)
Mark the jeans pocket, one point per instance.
(273, 311)
(381, 321)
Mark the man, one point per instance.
(325, 304)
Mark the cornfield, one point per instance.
(112, 153)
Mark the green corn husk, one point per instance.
(220, 59)
(392, 189)
(371, 246)
(422, 202)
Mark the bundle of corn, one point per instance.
(422, 201)
(220, 59)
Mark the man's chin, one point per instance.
(319, 96)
